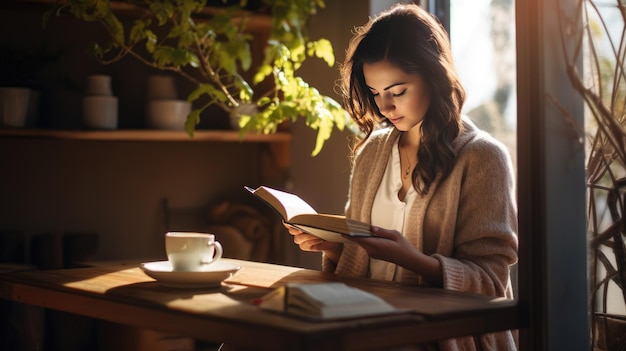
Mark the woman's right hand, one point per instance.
(308, 242)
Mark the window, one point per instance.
(482, 34)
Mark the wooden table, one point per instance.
(124, 294)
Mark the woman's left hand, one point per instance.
(392, 246)
(389, 245)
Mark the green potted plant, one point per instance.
(211, 47)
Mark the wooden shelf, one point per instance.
(148, 135)
(279, 143)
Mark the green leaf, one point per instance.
(323, 133)
(245, 91)
(177, 57)
(263, 101)
(163, 11)
(262, 73)
(138, 32)
(207, 89)
(151, 41)
(323, 49)
(244, 55)
(225, 59)
(192, 120)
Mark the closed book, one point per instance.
(332, 300)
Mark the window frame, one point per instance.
(553, 293)
(553, 284)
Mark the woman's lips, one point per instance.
(394, 120)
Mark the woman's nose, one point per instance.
(386, 105)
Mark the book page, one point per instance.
(300, 215)
(334, 223)
(333, 300)
(323, 234)
(286, 204)
(328, 300)
(333, 294)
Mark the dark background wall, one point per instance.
(116, 188)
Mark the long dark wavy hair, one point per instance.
(414, 41)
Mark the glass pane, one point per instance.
(606, 169)
(482, 33)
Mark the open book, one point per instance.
(324, 301)
(299, 214)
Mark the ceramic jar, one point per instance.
(100, 107)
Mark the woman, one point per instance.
(439, 189)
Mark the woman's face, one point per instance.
(402, 98)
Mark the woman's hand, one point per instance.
(392, 246)
(394, 249)
(308, 242)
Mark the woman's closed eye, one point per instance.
(399, 94)
(392, 94)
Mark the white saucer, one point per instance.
(211, 276)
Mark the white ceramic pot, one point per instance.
(14, 106)
(168, 114)
(100, 112)
(99, 84)
(161, 87)
(243, 109)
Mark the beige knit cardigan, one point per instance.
(468, 222)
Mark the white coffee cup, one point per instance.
(191, 251)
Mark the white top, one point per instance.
(389, 212)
